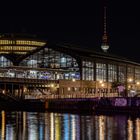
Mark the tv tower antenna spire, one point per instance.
(105, 45)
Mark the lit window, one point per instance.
(63, 60)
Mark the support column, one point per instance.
(117, 73)
(134, 76)
(107, 78)
(5, 88)
(126, 82)
(95, 77)
(12, 89)
(80, 69)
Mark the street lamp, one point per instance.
(137, 86)
(52, 85)
(138, 83)
(130, 79)
(100, 81)
(73, 80)
(102, 85)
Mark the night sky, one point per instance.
(82, 25)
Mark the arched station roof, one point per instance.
(16, 46)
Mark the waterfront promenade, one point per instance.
(75, 104)
(63, 95)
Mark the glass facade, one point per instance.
(112, 72)
(58, 65)
(137, 74)
(87, 70)
(4, 62)
(130, 73)
(122, 73)
(53, 65)
(101, 72)
(109, 72)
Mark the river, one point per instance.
(18, 125)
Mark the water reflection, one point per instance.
(137, 129)
(3, 125)
(57, 126)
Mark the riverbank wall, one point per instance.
(110, 104)
(102, 104)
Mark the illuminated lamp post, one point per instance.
(73, 80)
(130, 80)
(101, 85)
(137, 86)
(130, 86)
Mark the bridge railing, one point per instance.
(25, 80)
(62, 96)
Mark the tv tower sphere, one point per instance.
(105, 47)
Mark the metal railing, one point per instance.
(25, 80)
(57, 96)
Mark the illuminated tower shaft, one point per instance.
(105, 45)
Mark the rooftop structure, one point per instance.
(17, 46)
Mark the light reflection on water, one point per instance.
(66, 126)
